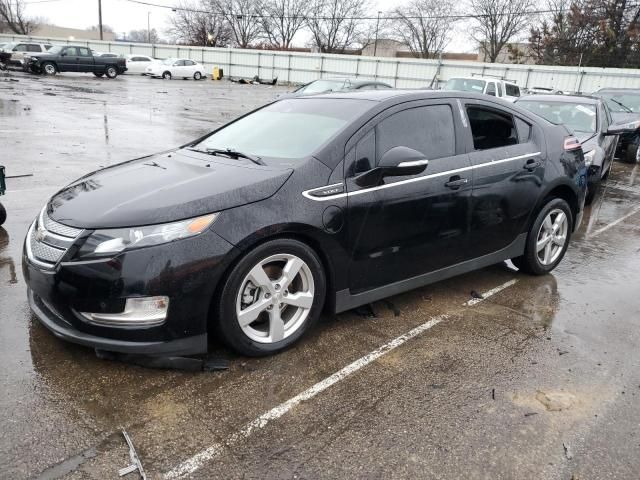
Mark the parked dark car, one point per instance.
(590, 120)
(328, 201)
(327, 85)
(70, 58)
(624, 105)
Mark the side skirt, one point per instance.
(346, 301)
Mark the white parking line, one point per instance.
(198, 460)
(493, 291)
(614, 223)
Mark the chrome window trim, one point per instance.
(306, 193)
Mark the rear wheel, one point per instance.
(271, 298)
(111, 72)
(197, 76)
(49, 68)
(548, 239)
(166, 75)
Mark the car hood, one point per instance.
(624, 117)
(163, 188)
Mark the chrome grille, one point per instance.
(49, 240)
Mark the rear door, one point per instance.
(190, 68)
(408, 225)
(85, 60)
(508, 155)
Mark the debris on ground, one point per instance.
(136, 464)
(475, 294)
(567, 451)
(493, 394)
(556, 401)
(530, 414)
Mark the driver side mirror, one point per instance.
(396, 162)
(619, 129)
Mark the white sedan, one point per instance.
(138, 63)
(176, 67)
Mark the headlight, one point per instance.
(110, 241)
(588, 157)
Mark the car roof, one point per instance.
(486, 79)
(621, 90)
(392, 93)
(588, 99)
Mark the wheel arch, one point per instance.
(560, 190)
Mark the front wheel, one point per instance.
(197, 76)
(111, 72)
(3, 214)
(166, 75)
(49, 68)
(271, 298)
(548, 239)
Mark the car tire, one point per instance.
(98, 74)
(111, 72)
(3, 214)
(197, 76)
(166, 75)
(552, 229)
(256, 315)
(49, 68)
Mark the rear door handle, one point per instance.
(532, 164)
(456, 182)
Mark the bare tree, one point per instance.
(199, 23)
(336, 24)
(13, 18)
(424, 26)
(244, 20)
(497, 22)
(282, 19)
(143, 36)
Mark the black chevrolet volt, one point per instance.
(324, 202)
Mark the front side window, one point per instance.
(491, 128)
(428, 129)
(85, 52)
(71, 51)
(292, 129)
(21, 47)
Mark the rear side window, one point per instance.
(491, 128)
(189, 63)
(33, 48)
(512, 90)
(428, 129)
(84, 52)
(491, 89)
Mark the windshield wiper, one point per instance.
(228, 152)
(622, 105)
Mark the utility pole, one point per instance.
(375, 45)
(100, 18)
(148, 27)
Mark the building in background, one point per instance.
(517, 52)
(386, 47)
(54, 31)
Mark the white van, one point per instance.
(489, 86)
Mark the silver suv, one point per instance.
(20, 51)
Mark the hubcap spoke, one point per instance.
(299, 299)
(560, 218)
(260, 278)
(276, 325)
(543, 243)
(548, 226)
(250, 314)
(290, 271)
(547, 252)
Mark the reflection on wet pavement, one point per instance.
(495, 391)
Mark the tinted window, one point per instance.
(365, 153)
(33, 48)
(21, 47)
(491, 128)
(491, 89)
(293, 128)
(179, 63)
(512, 90)
(428, 130)
(139, 59)
(85, 52)
(189, 62)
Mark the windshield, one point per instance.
(465, 85)
(626, 102)
(320, 86)
(55, 49)
(293, 128)
(579, 117)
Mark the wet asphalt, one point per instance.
(539, 380)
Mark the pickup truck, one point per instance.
(71, 58)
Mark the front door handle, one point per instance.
(456, 182)
(532, 164)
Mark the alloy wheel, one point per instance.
(275, 298)
(49, 69)
(552, 237)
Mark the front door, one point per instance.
(69, 60)
(409, 225)
(508, 157)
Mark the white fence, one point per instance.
(292, 67)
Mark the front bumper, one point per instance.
(187, 271)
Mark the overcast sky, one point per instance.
(124, 16)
